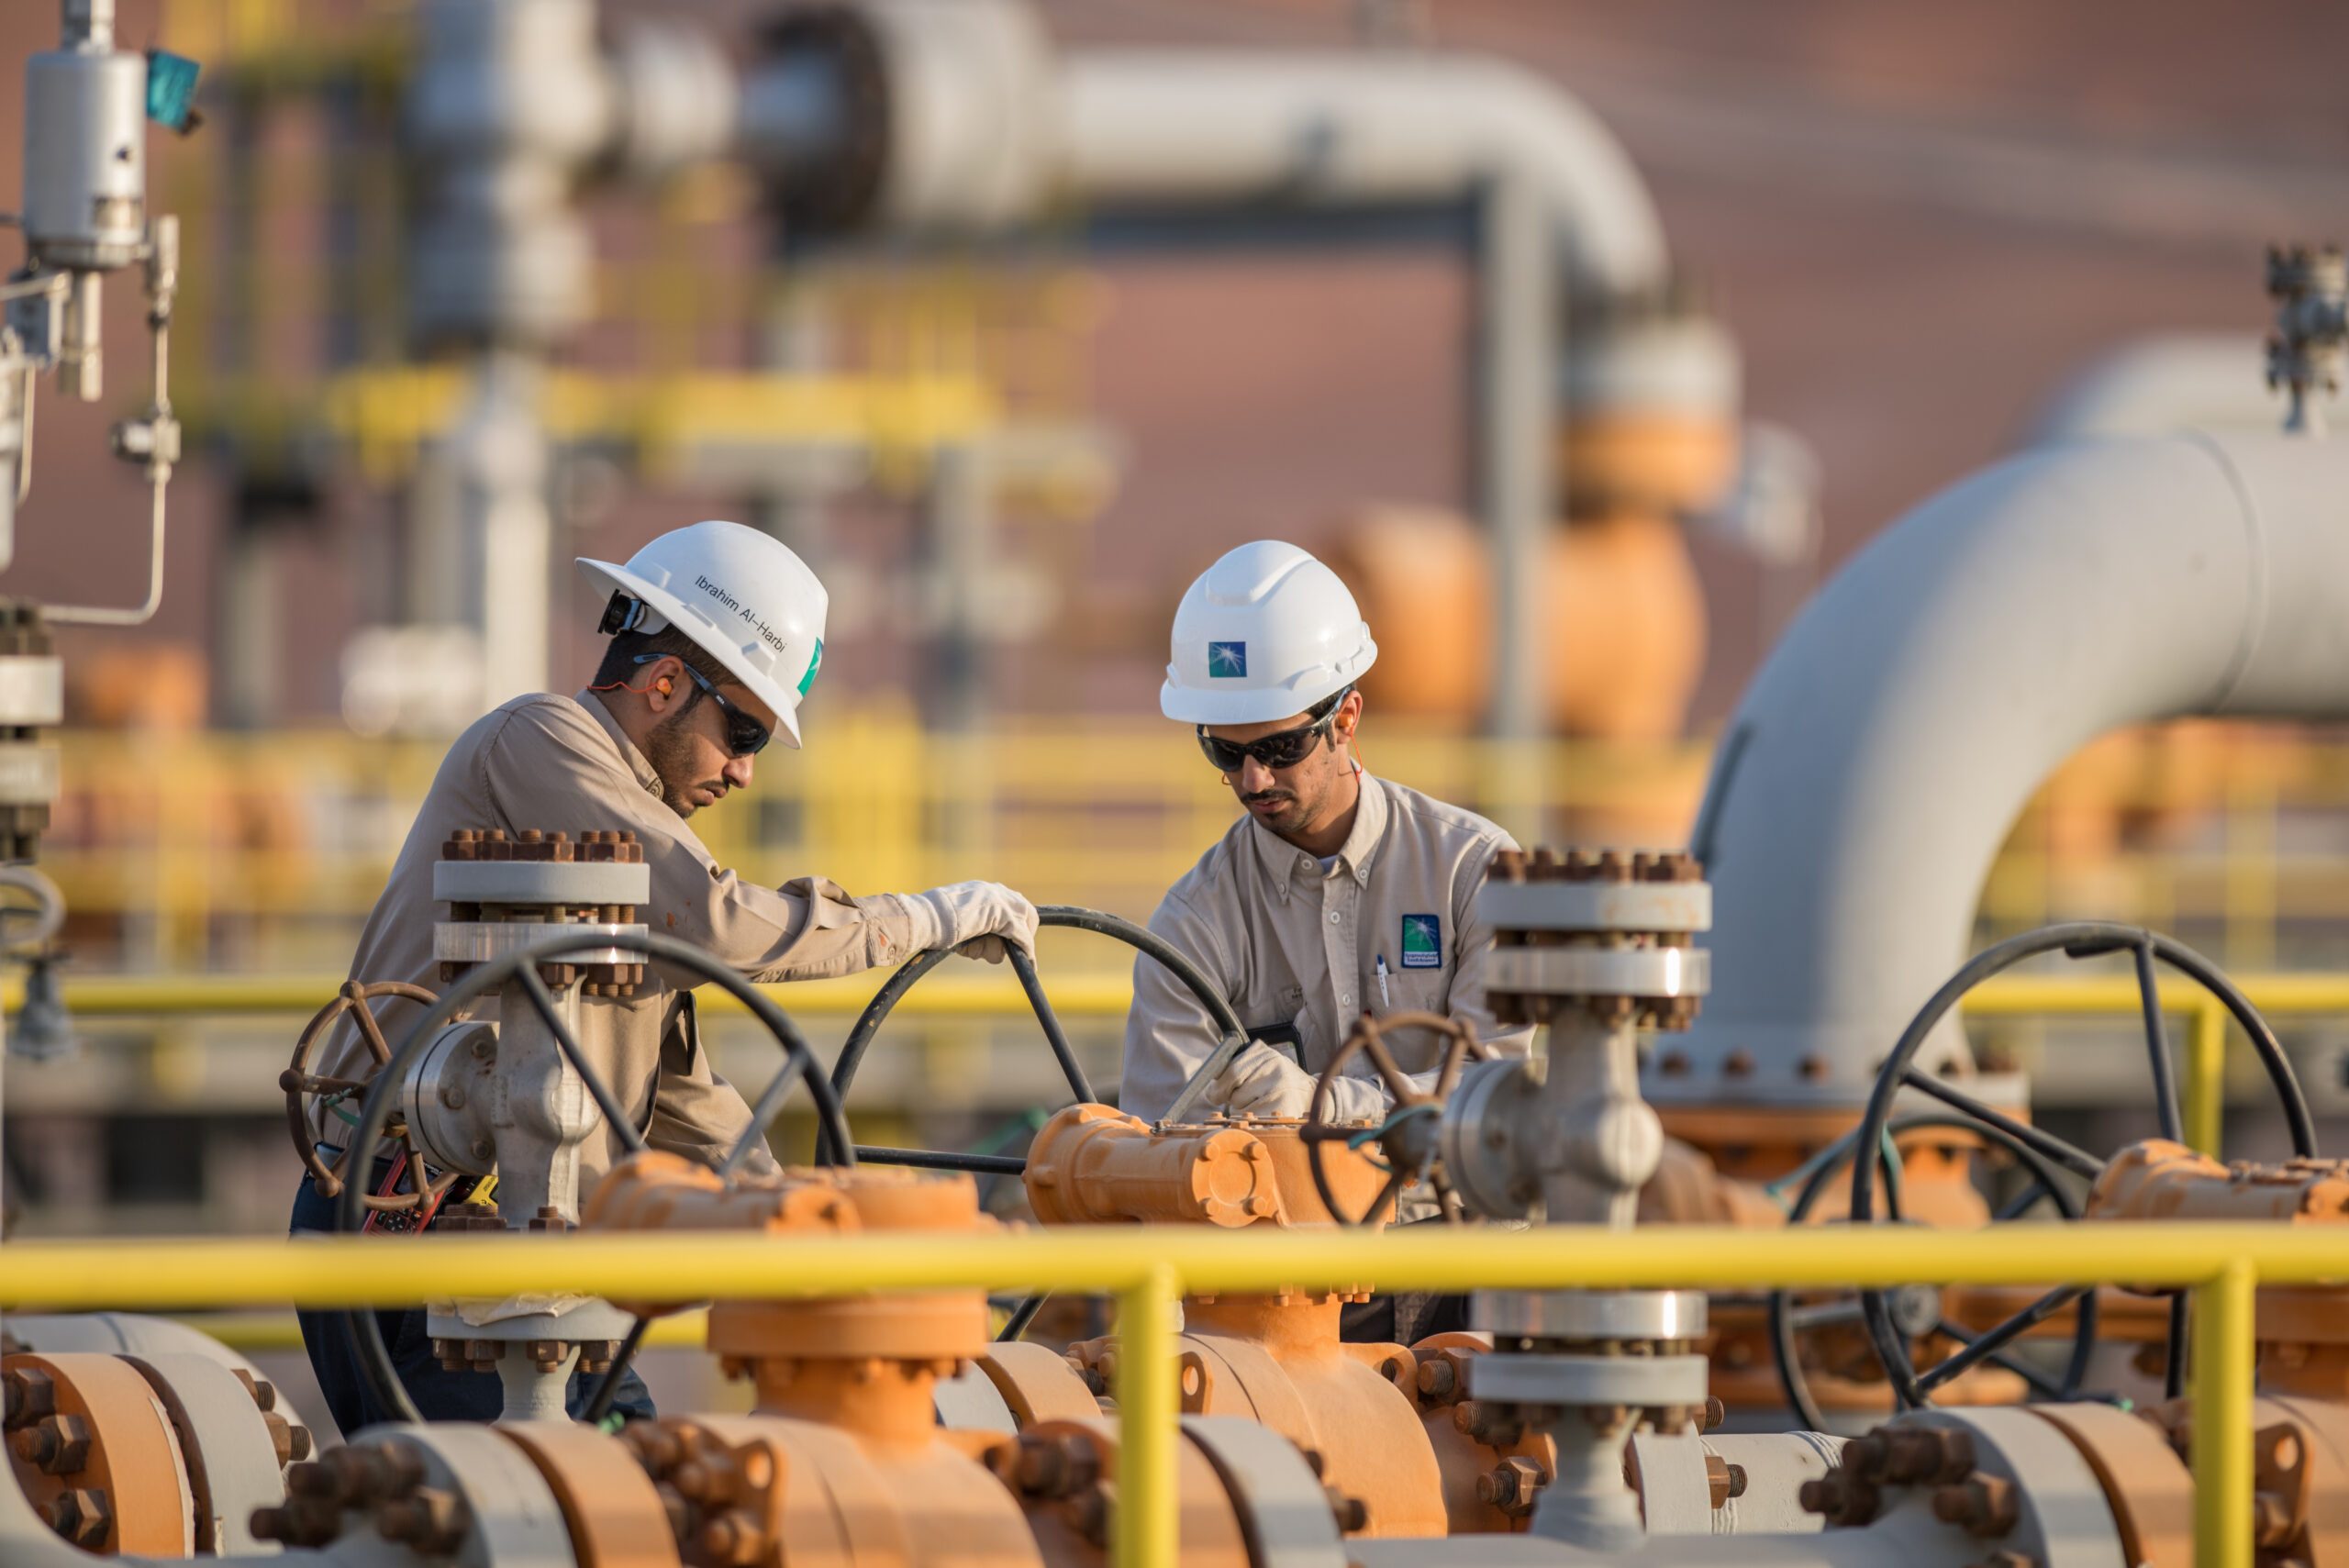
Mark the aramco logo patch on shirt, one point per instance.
(1227, 659)
(1422, 942)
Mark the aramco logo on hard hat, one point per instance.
(813, 664)
(1227, 659)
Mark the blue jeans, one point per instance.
(439, 1395)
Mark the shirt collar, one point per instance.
(630, 755)
(1287, 866)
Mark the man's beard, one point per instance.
(670, 749)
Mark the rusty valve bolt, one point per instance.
(1983, 1505)
(81, 1517)
(1905, 1455)
(429, 1520)
(1351, 1513)
(55, 1445)
(1723, 1480)
(32, 1394)
(1841, 1496)
(733, 1539)
(1510, 1486)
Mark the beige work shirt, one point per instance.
(554, 762)
(1290, 943)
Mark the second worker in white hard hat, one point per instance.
(1337, 893)
(717, 633)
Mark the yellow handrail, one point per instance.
(1146, 1267)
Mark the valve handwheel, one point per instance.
(1408, 1135)
(2077, 940)
(302, 1085)
(1916, 1310)
(1051, 916)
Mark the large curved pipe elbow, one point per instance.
(1164, 127)
(1884, 749)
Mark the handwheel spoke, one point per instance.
(1975, 1349)
(2149, 1000)
(943, 1159)
(1048, 1021)
(2022, 1203)
(605, 1101)
(2070, 1156)
(1461, 1048)
(762, 1111)
(1811, 1315)
(369, 1029)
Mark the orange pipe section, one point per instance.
(1415, 1461)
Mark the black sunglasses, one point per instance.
(745, 736)
(1285, 750)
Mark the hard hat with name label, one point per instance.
(741, 596)
(1266, 632)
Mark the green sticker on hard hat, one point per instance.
(813, 664)
(1225, 659)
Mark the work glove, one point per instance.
(1261, 1081)
(980, 919)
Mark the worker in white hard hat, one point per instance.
(1336, 893)
(716, 634)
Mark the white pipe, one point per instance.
(2159, 385)
(1193, 126)
(1886, 746)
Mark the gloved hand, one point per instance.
(978, 918)
(1261, 1081)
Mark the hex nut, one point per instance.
(81, 1517)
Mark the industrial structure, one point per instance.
(1736, 1042)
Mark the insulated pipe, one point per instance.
(1196, 127)
(2161, 384)
(1886, 746)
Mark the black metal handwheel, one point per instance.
(2077, 940)
(1068, 916)
(523, 965)
(1408, 1135)
(1051, 916)
(1916, 1311)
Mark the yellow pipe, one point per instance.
(1147, 1268)
(2223, 1391)
(2204, 1088)
(989, 995)
(1149, 1413)
(1098, 995)
(340, 1271)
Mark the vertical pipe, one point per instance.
(2206, 1075)
(1149, 1412)
(1516, 344)
(2222, 1390)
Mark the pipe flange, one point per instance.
(480, 941)
(1284, 1510)
(1606, 932)
(1632, 1381)
(1577, 974)
(1631, 906)
(32, 690)
(1666, 1316)
(542, 884)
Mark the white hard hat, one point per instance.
(740, 595)
(1266, 632)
